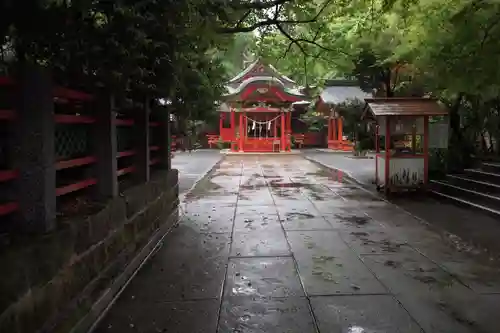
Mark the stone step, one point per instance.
(462, 202)
(467, 182)
(474, 197)
(493, 167)
(486, 176)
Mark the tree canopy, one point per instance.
(185, 50)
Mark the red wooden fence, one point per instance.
(69, 111)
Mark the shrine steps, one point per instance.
(475, 188)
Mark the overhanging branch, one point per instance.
(269, 21)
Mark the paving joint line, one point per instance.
(223, 289)
(362, 187)
(296, 264)
(391, 292)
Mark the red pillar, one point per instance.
(283, 143)
(233, 130)
(340, 130)
(242, 132)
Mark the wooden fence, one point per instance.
(85, 189)
(84, 134)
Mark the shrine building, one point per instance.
(256, 112)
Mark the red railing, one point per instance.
(7, 175)
(68, 96)
(70, 113)
(124, 122)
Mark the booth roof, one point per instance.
(404, 106)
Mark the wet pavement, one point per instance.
(362, 169)
(194, 165)
(452, 221)
(276, 244)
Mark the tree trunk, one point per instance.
(389, 92)
(455, 118)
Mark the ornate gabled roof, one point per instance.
(264, 79)
(261, 69)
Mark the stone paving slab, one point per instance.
(327, 266)
(246, 314)
(189, 266)
(263, 278)
(277, 244)
(172, 317)
(373, 313)
(193, 165)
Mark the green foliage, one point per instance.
(315, 121)
(185, 50)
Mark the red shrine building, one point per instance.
(256, 112)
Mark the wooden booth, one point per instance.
(404, 125)
(256, 112)
(337, 92)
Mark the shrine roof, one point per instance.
(223, 107)
(404, 106)
(341, 94)
(242, 85)
(254, 66)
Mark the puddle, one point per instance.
(291, 216)
(357, 220)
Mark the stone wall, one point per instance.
(50, 282)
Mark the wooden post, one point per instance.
(340, 129)
(104, 145)
(34, 152)
(233, 130)
(241, 132)
(283, 143)
(141, 130)
(387, 181)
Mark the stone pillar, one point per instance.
(283, 132)
(34, 156)
(105, 147)
(141, 130)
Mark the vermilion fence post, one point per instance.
(34, 150)
(105, 147)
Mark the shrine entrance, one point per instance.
(264, 130)
(259, 106)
